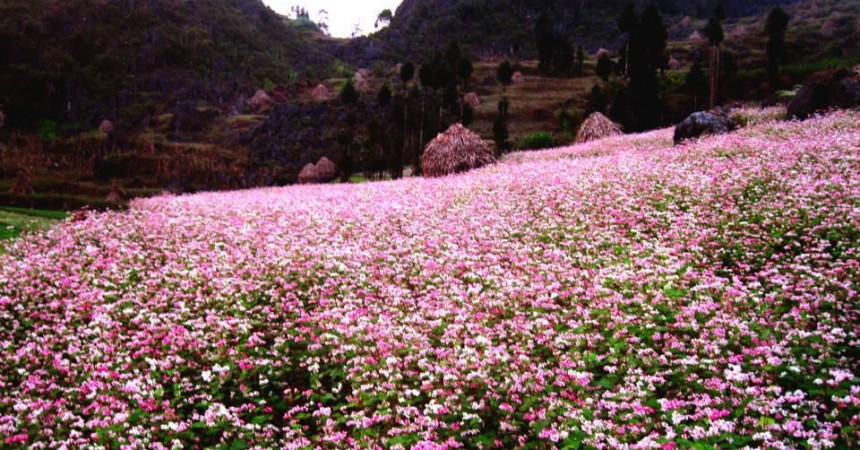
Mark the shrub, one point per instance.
(537, 141)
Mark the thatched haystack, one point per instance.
(116, 194)
(696, 36)
(260, 100)
(23, 184)
(309, 175)
(326, 169)
(518, 78)
(674, 64)
(106, 127)
(597, 126)
(456, 150)
(472, 99)
(321, 92)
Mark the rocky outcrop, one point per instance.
(703, 123)
(826, 90)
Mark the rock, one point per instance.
(703, 123)
(826, 90)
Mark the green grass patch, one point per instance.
(537, 141)
(16, 221)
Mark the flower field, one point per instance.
(621, 294)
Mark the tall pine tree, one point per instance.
(777, 24)
(715, 34)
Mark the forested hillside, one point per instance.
(78, 61)
(497, 26)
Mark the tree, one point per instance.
(555, 53)
(777, 24)
(500, 134)
(598, 100)
(654, 35)
(715, 34)
(407, 72)
(384, 19)
(505, 73)
(465, 70)
(383, 98)
(504, 106)
(544, 41)
(696, 84)
(628, 23)
(468, 115)
(645, 56)
(453, 54)
(349, 95)
(604, 67)
(579, 70)
(427, 75)
(322, 20)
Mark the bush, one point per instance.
(537, 141)
(48, 131)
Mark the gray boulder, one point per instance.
(826, 90)
(704, 123)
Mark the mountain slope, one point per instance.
(81, 60)
(495, 26)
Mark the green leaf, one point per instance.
(766, 422)
(261, 419)
(239, 444)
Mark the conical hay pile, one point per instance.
(326, 170)
(454, 151)
(260, 99)
(597, 126)
(309, 175)
(320, 92)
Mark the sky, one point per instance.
(343, 15)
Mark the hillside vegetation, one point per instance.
(491, 27)
(76, 62)
(621, 293)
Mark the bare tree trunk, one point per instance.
(715, 74)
